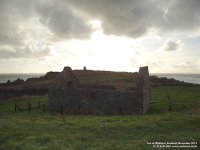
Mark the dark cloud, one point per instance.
(14, 19)
(11, 14)
(182, 15)
(63, 21)
(121, 17)
(68, 19)
(133, 18)
(17, 26)
(171, 45)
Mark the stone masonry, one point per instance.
(68, 96)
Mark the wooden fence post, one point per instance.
(170, 103)
(29, 107)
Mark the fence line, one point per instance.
(29, 107)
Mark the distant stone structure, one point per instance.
(84, 68)
(67, 95)
(67, 79)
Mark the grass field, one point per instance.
(121, 80)
(40, 130)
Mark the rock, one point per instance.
(18, 81)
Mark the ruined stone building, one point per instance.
(69, 96)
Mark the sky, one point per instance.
(37, 36)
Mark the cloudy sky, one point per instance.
(45, 35)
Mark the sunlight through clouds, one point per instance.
(110, 35)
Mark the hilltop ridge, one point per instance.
(118, 80)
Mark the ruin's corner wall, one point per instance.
(102, 101)
(142, 89)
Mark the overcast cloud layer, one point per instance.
(29, 28)
(134, 17)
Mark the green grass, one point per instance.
(184, 98)
(40, 131)
(121, 80)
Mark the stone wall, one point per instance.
(92, 101)
(76, 100)
(142, 89)
(11, 93)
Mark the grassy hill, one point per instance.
(43, 130)
(121, 80)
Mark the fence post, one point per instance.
(170, 103)
(29, 107)
(61, 109)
